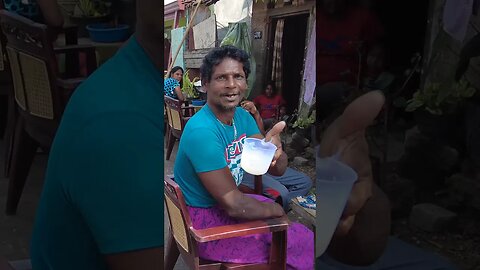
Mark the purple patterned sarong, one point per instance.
(252, 248)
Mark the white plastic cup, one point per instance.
(333, 187)
(257, 155)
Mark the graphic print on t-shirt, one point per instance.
(233, 155)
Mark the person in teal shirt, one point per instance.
(224, 149)
(207, 168)
(41, 11)
(102, 202)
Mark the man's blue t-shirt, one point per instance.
(103, 192)
(207, 145)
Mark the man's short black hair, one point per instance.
(216, 55)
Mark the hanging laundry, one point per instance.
(456, 17)
(309, 74)
(177, 35)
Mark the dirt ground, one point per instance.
(461, 246)
(460, 243)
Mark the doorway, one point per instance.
(293, 53)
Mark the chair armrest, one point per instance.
(69, 83)
(241, 229)
(188, 111)
(4, 265)
(75, 48)
(67, 87)
(187, 107)
(69, 28)
(185, 120)
(71, 34)
(89, 50)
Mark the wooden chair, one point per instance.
(4, 264)
(15, 265)
(6, 83)
(7, 99)
(40, 94)
(177, 115)
(184, 239)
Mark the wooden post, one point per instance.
(258, 184)
(184, 37)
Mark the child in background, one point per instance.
(268, 105)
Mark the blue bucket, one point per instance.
(198, 102)
(105, 33)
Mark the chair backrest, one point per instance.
(33, 66)
(4, 265)
(2, 53)
(175, 114)
(5, 75)
(180, 222)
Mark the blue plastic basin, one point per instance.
(197, 102)
(106, 33)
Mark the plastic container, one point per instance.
(257, 155)
(106, 33)
(333, 187)
(198, 102)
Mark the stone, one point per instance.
(300, 161)
(448, 158)
(413, 137)
(465, 190)
(426, 161)
(431, 218)
(401, 192)
(300, 137)
(288, 139)
(291, 153)
(310, 151)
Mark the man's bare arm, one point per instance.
(51, 13)
(250, 107)
(179, 93)
(221, 186)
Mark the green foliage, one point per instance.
(188, 88)
(439, 99)
(304, 121)
(91, 8)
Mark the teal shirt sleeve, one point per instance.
(204, 150)
(121, 195)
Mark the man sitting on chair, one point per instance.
(207, 167)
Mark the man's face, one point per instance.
(227, 86)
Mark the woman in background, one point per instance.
(172, 85)
(41, 11)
